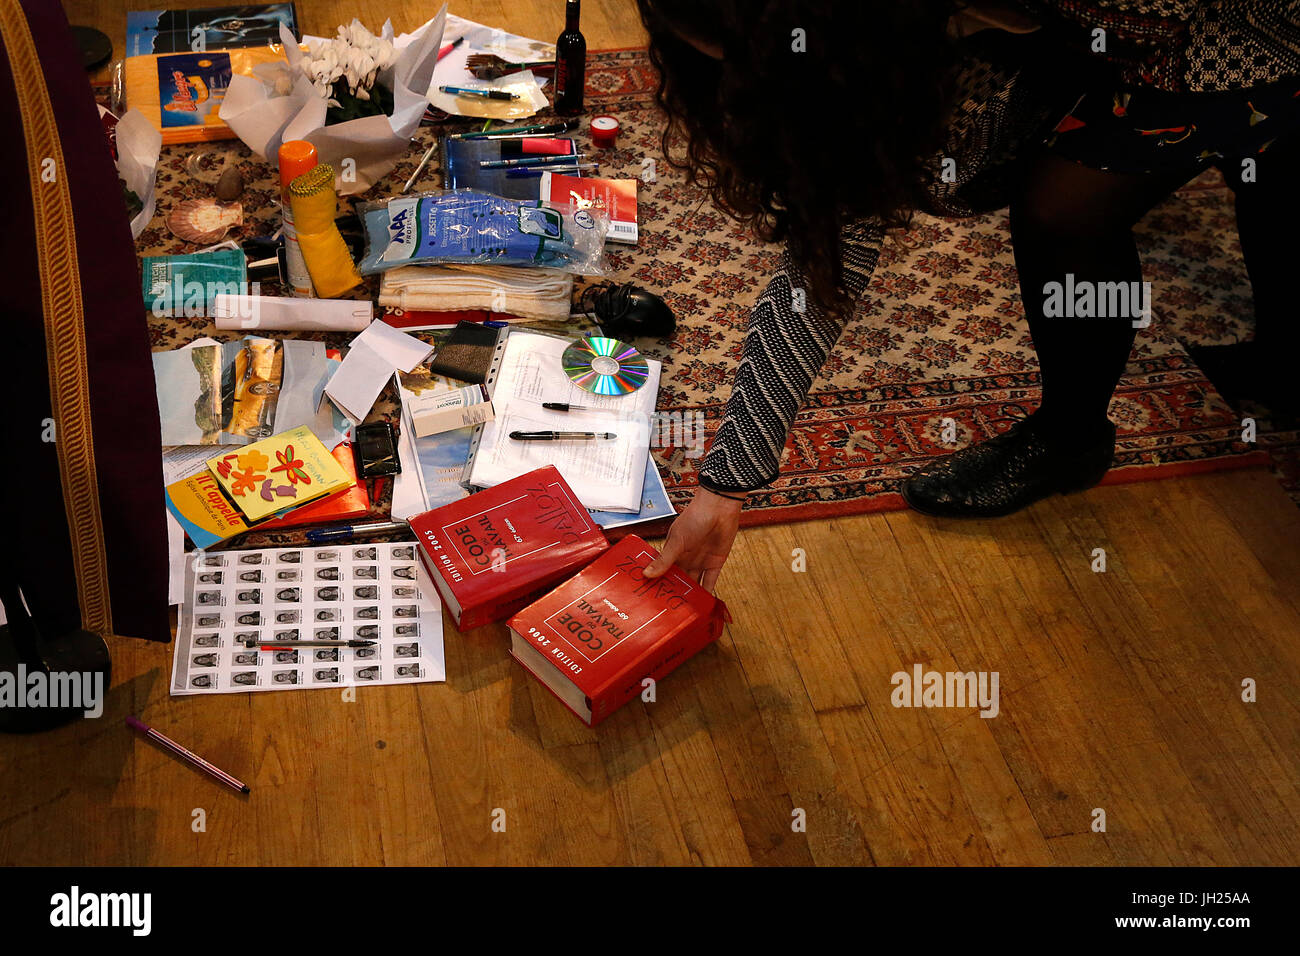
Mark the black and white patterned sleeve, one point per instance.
(786, 345)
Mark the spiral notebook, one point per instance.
(606, 475)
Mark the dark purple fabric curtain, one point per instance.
(87, 535)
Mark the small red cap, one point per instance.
(604, 131)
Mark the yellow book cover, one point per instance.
(203, 510)
(279, 473)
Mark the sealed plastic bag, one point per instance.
(467, 226)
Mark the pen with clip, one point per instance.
(574, 168)
(536, 129)
(347, 532)
(566, 407)
(526, 161)
(485, 94)
(561, 436)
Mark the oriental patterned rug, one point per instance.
(941, 335)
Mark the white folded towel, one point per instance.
(526, 292)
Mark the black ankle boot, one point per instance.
(1000, 476)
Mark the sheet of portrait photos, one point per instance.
(236, 600)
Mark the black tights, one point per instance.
(1070, 218)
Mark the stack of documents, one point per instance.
(606, 475)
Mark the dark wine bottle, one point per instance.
(570, 63)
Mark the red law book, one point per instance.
(596, 637)
(502, 548)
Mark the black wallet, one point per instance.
(467, 353)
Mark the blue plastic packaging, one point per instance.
(468, 226)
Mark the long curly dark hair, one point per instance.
(793, 141)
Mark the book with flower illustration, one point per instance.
(279, 473)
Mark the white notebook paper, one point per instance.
(606, 475)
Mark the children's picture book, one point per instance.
(279, 473)
(344, 506)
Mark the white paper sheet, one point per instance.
(344, 591)
(138, 148)
(529, 98)
(372, 358)
(655, 503)
(606, 475)
(453, 69)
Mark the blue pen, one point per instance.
(346, 532)
(494, 324)
(523, 173)
(486, 94)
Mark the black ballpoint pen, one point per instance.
(560, 436)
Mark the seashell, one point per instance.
(204, 221)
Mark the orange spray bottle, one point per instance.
(296, 157)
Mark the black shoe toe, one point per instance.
(1009, 472)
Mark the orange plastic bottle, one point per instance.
(296, 157)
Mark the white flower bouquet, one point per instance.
(357, 97)
(344, 70)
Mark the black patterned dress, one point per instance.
(1122, 85)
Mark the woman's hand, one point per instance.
(701, 538)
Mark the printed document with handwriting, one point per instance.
(605, 474)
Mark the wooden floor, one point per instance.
(1119, 691)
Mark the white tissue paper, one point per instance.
(138, 148)
(262, 115)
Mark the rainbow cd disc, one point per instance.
(605, 366)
